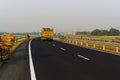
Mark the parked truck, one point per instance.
(47, 34)
(6, 42)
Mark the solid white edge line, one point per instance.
(32, 71)
(83, 57)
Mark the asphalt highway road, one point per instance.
(59, 61)
(17, 67)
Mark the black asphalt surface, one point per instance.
(17, 67)
(59, 61)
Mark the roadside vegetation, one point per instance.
(111, 32)
(111, 36)
(107, 40)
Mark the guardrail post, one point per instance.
(69, 41)
(93, 45)
(65, 41)
(117, 49)
(86, 44)
(103, 47)
(81, 43)
(72, 42)
(76, 42)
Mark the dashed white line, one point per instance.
(32, 71)
(53, 45)
(63, 49)
(83, 57)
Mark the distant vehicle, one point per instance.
(28, 36)
(47, 34)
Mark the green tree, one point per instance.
(114, 32)
(96, 32)
(104, 32)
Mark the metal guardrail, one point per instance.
(103, 47)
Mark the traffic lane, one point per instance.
(50, 64)
(103, 64)
(17, 68)
(97, 56)
(108, 63)
(54, 64)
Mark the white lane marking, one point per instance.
(83, 57)
(32, 71)
(53, 45)
(63, 49)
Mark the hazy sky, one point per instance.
(62, 15)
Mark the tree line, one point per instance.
(111, 32)
(101, 32)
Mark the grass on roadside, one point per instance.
(15, 46)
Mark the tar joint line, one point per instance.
(32, 71)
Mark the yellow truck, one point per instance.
(47, 34)
(7, 39)
(6, 42)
